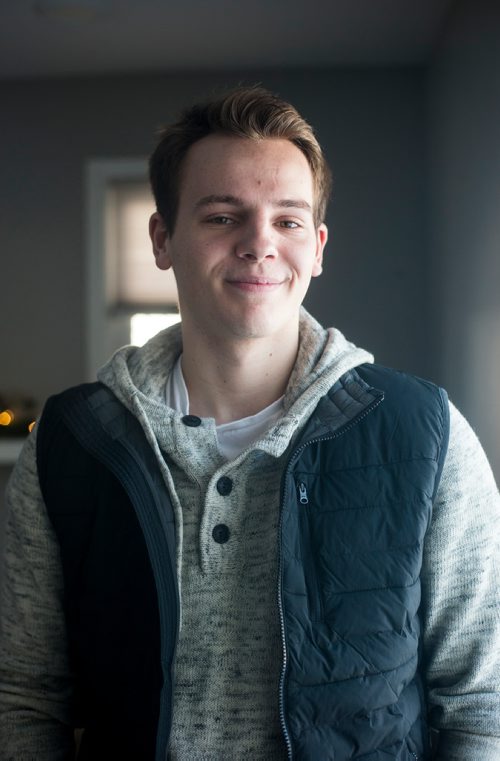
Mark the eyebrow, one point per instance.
(285, 203)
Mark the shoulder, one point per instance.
(420, 402)
(396, 381)
(61, 400)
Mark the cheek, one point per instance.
(303, 262)
(192, 278)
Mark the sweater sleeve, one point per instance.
(35, 681)
(461, 600)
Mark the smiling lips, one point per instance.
(254, 284)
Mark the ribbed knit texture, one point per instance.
(229, 656)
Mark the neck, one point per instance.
(238, 378)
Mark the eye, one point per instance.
(289, 224)
(221, 219)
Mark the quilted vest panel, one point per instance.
(358, 502)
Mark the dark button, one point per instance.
(191, 420)
(220, 533)
(224, 486)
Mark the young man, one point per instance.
(248, 540)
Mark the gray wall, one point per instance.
(465, 191)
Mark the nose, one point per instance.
(257, 242)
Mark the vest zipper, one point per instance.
(303, 498)
(302, 495)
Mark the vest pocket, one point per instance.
(307, 551)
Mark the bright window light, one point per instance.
(145, 326)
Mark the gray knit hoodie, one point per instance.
(229, 654)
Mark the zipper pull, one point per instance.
(303, 498)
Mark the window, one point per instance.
(128, 298)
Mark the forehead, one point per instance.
(218, 162)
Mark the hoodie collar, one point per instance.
(137, 376)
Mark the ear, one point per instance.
(160, 240)
(321, 238)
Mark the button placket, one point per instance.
(221, 523)
(221, 532)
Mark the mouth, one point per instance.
(254, 284)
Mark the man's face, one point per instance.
(245, 246)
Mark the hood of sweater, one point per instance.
(138, 375)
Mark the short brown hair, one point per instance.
(248, 112)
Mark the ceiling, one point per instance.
(54, 38)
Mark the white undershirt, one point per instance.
(233, 437)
